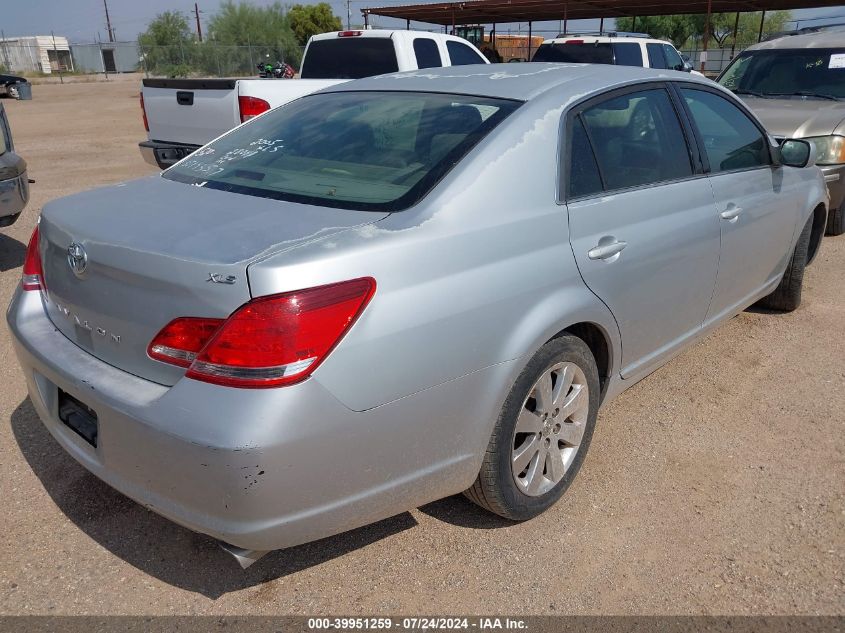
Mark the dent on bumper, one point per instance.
(260, 469)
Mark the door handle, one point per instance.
(731, 214)
(607, 249)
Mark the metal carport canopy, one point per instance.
(504, 11)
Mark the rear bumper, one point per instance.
(163, 155)
(260, 469)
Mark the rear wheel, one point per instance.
(543, 432)
(787, 296)
(836, 221)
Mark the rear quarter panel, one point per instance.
(480, 273)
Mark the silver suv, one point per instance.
(796, 85)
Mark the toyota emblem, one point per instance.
(77, 259)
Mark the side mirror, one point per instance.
(687, 68)
(797, 153)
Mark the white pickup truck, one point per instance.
(181, 115)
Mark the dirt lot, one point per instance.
(715, 486)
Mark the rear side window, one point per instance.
(575, 52)
(731, 140)
(4, 141)
(349, 58)
(656, 58)
(370, 151)
(638, 140)
(628, 54)
(584, 178)
(463, 55)
(427, 53)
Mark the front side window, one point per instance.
(638, 140)
(372, 151)
(673, 58)
(349, 58)
(656, 58)
(731, 140)
(799, 73)
(463, 55)
(427, 53)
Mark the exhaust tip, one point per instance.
(245, 557)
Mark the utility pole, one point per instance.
(199, 26)
(348, 15)
(108, 21)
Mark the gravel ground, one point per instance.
(715, 486)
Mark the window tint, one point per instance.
(673, 58)
(628, 54)
(428, 55)
(574, 53)
(731, 139)
(462, 55)
(376, 151)
(584, 178)
(638, 139)
(656, 58)
(349, 58)
(799, 72)
(4, 143)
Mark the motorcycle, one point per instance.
(279, 70)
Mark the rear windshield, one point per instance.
(575, 53)
(801, 72)
(349, 58)
(372, 151)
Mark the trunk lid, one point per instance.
(191, 111)
(150, 248)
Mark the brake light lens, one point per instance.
(33, 273)
(182, 339)
(269, 342)
(350, 33)
(251, 107)
(144, 112)
(574, 41)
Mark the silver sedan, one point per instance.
(403, 288)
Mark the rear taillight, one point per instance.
(251, 106)
(269, 342)
(350, 33)
(144, 112)
(181, 340)
(33, 273)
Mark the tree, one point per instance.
(265, 30)
(680, 28)
(167, 44)
(311, 19)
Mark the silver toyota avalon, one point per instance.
(403, 288)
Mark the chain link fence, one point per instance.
(211, 60)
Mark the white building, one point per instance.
(35, 53)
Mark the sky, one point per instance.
(84, 20)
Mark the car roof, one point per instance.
(521, 82)
(387, 33)
(832, 38)
(604, 39)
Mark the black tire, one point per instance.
(787, 296)
(836, 221)
(495, 489)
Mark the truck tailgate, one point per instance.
(191, 111)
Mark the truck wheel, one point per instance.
(542, 434)
(13, 91)
(836, 221)
(787, 296)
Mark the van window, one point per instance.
(349, 58)
(731, 139)
(427, 53)
(638, 139)
(575, 52)
(463, 55)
